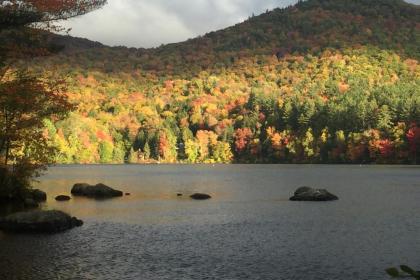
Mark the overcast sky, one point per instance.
(150, 23)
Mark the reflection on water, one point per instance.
(249, 230)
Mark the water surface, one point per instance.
(249, 230)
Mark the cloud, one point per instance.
(130, 23)
(145, 23)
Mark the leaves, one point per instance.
(393, 272)
(321, 82)
(408, 272)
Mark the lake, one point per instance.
(249, 230)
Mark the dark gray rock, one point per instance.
(95, 191)
(62, 198)
(311, 194)
(78, 189)
(200, 196)
(39, 195)
(39, 221)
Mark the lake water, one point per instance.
(249, 230)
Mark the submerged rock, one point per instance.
(62, 198)
(95, 191)
(200, 196)
(311, 194)
(39, 221)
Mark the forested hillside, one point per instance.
(324, 81)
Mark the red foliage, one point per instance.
(261, 117)
(101, 135)
(386, 148)
(413, 136)
(163, 144)
(242, 138)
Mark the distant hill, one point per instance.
(71, 44)
(308, 27)
(320, 81)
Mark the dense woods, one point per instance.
(27, 99)
(324, 81)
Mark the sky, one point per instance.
(151, 23)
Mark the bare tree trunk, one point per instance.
(6, 142)
(3, 140)
(6, 158)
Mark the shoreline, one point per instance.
(227, 164)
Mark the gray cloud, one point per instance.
(145, 23)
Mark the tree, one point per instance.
(413, 136)
(146, 151)
(133, 156)
(16, 13)
(307, 144)
(167, 146)
(191, 150)
(22, 20)
(25, 101)
(242, 139)
(222, 153)
(106, 150)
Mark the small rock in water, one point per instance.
(200, 196)
(95, 191)
(39, 221)
(62, 198)
(179, 194)
(311, 194)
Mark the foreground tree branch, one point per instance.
(27, 101)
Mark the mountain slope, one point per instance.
(321, 81)
(308, 27)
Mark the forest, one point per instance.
(323, 81)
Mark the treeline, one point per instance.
(356, 106)
(324, 81)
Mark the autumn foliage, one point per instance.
(28, 103)
(319, 82)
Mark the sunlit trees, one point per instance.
(243, 137)
(191, 151)
(167, 146)
(222, 153)
(106, 150)
(25, 100)
(297, 97)
(284, 117)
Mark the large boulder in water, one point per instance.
(39, 221)
(95, 191)
(311, 194)
(200, 196)
(34, 195)
(38, 195)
